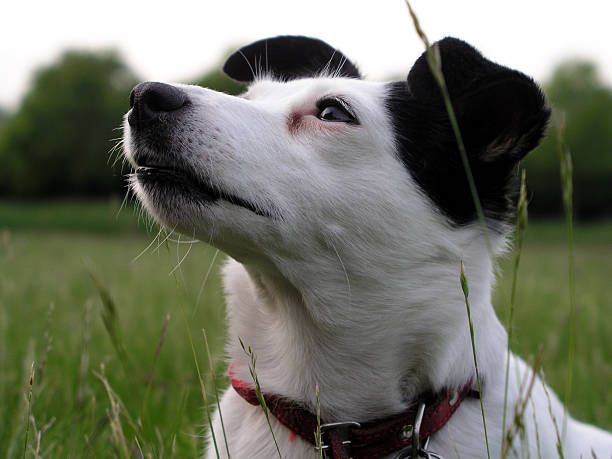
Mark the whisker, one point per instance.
(148, 247)
(348, 282)
(204, 282)
(165, 239)
(182, 259)
(249, 64)
(178, 241)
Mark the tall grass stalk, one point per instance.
(435, 64)
(111, 320)
(214, 382)
(521, 226)
(39, 433)
(465, 288)
(27, 419)
(554, 419)
(84, 359)
(537, 432)
(520, 408)
(160, 343)
(195, 359)
(113, 415)
(48, 343)
(260, 397)
(434, 61)
(567, 168)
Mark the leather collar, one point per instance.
(367, 440)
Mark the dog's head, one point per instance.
(313, 161)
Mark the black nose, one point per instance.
(150, 100)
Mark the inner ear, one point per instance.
(504, 119)
(288, 58)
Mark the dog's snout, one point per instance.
(149, 100)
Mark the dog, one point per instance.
(346, 211)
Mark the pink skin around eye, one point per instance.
(304, 119)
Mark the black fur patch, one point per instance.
(287, 58)
(502, 115)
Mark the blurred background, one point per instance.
(68, 67)
(98, 301)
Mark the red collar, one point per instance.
(368, 440)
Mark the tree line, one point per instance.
(58, 142)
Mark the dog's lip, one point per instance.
(188, 179)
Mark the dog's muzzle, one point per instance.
(149, 101)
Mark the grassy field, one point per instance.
(106, 369)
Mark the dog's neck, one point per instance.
(390, 339)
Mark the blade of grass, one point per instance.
(48, 338)
(521, 226)
(182, 293)
(260, 397)
(567, 168)
(162, 339)
(537, 432)
(113, 416)
(195, 359)
(554, 420)
(465, 288)
(521, 406)
(214, 381)
(111, 320)
(27, 419)
(435, 64)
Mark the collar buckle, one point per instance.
(415, 450)
(336, 435)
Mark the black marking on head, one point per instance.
(288, 58)
(502, 115)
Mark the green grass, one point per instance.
(39, 268)
(542, 312)
(43, 264)
(72, 216)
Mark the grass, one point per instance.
(51, 313)
(39, 268)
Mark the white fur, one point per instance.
(354, 287)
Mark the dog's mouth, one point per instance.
(177, 181)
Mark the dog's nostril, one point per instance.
(149, 100)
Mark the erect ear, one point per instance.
(287, 58)
(501, 113)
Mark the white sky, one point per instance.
(177, 40)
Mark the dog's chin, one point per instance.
(173, 205)
(181, 202)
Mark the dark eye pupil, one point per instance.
(333, 113)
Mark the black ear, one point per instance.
(501, 112)
(287, 58)
(502, 115)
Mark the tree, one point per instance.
(219, 81)
(57, 142)
(578, 95)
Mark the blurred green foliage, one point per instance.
(579, 97)
(219, 81)
(58, 142)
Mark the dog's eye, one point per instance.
(335, 110)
